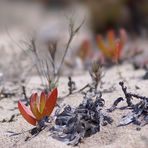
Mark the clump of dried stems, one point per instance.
(43, 65)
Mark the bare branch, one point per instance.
(73, 32)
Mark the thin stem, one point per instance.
(71, 36)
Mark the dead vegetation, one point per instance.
(138, 111)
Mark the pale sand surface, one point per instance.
(109, 136)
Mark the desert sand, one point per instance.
(109, 136)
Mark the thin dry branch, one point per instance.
(73, 32)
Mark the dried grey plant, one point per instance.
(138, 110)
(73, 124)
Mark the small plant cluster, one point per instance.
(40, 108)
(112, 50)
(74, 124)
(139, 110)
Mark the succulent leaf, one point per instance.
(34, 106)
(117, 51)
(39, 108)
(26, 113)
(42, 101)
(102, 46)
(50, 102)
(111, 39)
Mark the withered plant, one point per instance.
(138, 110)
(95, 73)
(73, 124)
(47, 68)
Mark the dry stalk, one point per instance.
(42, 66)
(72, 32)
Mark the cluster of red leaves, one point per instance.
(112, 50)
(40, 107)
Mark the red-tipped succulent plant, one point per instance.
(113, 49)
(40, 107)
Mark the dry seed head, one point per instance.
(96, 73)
(96, 69)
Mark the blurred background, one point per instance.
(47, 20)
(103, 14)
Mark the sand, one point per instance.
(109, 136)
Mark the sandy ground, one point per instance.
(13, 64)
(109, 136)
